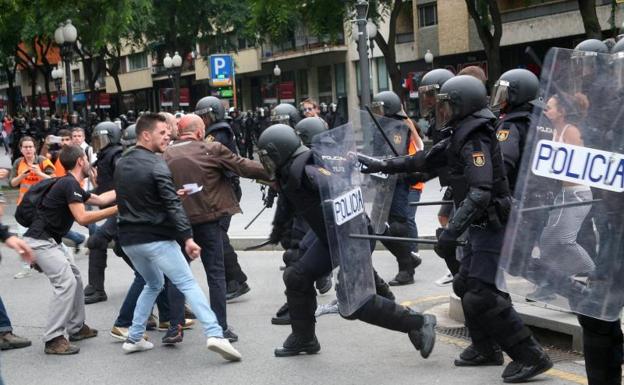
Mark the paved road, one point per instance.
(352, 352)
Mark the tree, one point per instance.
(276, 19)
(10, 22)
(590, 19)
(487, 18)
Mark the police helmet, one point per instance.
(105, 134)
(618, 47)
(515, 88)
(459, 97)
(309, 127)
(388, 103)
(128, 136)
(212, 107)
(285, 114)
(276, 145)
(592, 45)
(429, 87)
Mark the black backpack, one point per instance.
(26, 211)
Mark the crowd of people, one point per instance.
(163, 189)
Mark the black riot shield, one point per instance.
(564, 240)
(344, 212)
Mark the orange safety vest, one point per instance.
(411, 150)
(59, 169)
(32, 178)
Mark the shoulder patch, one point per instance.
(398, 138)
(210, 139)
(324, 171)
(502, 135)
(478, 158)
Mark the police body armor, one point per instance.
(106, 167)
(520, 121)
(222, 132)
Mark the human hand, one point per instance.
(192, 249)
(371, 165)
(21, 247)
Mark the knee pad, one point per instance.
(290, 256)
(460, 285)
(97, 241)
(296, 280)
(398, 228)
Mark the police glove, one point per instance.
(447, 242)
(371, 165)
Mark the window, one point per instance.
(324, 80)
(302, 81)
(137, 61)
(427, 15)
(382, 75)
(341, 79)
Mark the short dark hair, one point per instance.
(27, 139)
(70, 155)
(147, 122)
(78, 129)
(64, 133)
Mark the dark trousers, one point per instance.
(5, 322)
(209, 237)
(233, 271)
(602, 346)
(98, 247)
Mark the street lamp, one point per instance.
(277, 72)
(429, 58)
(174, 67)
(39, 99)
(65, 37)
(96, 85)
(361, 8)
(57, 75)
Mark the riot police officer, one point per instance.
(482, 198)
(285, 114)
(106, 139)
(212, 112)
(388, 104)
(293, 164)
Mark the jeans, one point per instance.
(75, 237)
(153, 260)
(414, 196)
(5, 322)
(233, 271)
(208, 237)
(124, 319)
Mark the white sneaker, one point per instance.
(328, 308)
(446, 280)
(223, 347)
(23, 273)
(142, 345)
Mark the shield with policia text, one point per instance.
(344, 211)
(564, 241)
(379, 189)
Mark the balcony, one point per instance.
(300, 45)
(516, 10)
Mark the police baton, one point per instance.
(564, 205)
(370, 112)
(256, 217)
(256, 247)
(434, 203)
(402, 239)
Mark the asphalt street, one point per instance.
(352, 352)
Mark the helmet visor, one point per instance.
(427, 99)
(584, 65)
(444, 111)
(378, 108)
(618, 70)
(100, 140)
(500, 95)
(268, 163)
(280, 119)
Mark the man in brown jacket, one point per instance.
(199, 169)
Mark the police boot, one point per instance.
(471, 356)
(324, 284)
(94, 292)
(382, 288)
(529, 360)
(406, 271)
(301, 340)
(282, 317)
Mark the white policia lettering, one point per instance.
(348, 206)
(582, 165)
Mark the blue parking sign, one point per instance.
(221, 69)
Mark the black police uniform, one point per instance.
(98, 241)
(235, 278)
(300, 180)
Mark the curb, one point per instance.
(240, 243)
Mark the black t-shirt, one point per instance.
(54, 219)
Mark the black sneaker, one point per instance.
(174, 335)
(324, 284)
(230, 335)
(517, 372)
(282, 317)
(404, 277)
(423, 339)
(236, 289)
(295, 345)
(97, 296)
(472, 357)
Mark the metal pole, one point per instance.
(362, 8)
(176, 97)
(68, 81)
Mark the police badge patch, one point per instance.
(478, 158)
(324, 171)
(210, 139)
(398, 139)
(502, 135)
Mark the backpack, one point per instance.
(26, 211)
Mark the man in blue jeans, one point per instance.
(151, 222)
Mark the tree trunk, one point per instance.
(388, 48)
(494, 64)
(490, 41)
(11, 91)
(590, 19)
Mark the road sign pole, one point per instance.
(234, 96)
